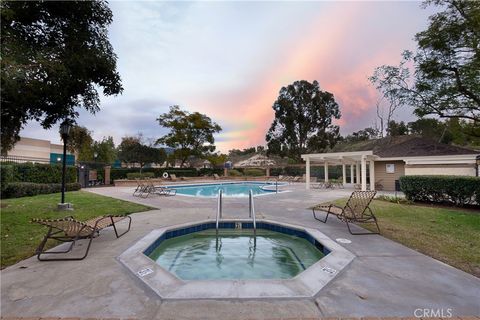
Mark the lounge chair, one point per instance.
(216, 177)
(355, 210)
(140, 189)
(70, 230)
(158, 190)
(173, 177)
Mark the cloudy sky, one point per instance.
(230, 59)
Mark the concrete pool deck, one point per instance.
(384, 279)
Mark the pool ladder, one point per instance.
(251, 206)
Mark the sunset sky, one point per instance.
(230, 59)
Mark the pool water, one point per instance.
(234, 189)
(236, 254)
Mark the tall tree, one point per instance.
(431, 128)
(191, 134)
(55, 54)
(362, 135)
(80, 142)
(132, 151)
(397, 128)
(105, 149)
(303, 120)
(446, 76)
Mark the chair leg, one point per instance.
(363, 233)
(128, 229)
(324, 220)
(42, 245)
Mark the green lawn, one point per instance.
(19, 237)
(450, 235)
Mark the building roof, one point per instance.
(404, 146)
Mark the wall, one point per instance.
(441, 169)
(39, 150)
(387, 180)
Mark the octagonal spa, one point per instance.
(195, 261)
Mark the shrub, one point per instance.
(234, 173)
(459, 190)
(254, 172)
(138, 175)
(121, 173)
(6, 175)
(41, 173)
(210, 171)
(24, 189)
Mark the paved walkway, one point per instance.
(385, 278)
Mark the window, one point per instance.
(390, 168)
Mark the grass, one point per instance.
(451, 235)
(19, 237)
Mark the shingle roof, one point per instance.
(405, 146)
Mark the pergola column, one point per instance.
(372, 175)
(344, 173)
(358, 173)
(364, 173)
(326, 171)
(307, 174)
(351, 173)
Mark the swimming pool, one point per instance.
(229, 189)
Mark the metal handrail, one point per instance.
(252, 210)
(219, 208)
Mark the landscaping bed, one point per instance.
(20, 238)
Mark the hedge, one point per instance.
(459, 190)
(252, 172)
(36, 173)
(210, 171)
(24, 189)
(235, 173)
(121, 173)
(138, 175)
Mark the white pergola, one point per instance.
(357, 161)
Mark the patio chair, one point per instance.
(173, 177)
(216, 177)
(355, 210)
(150, 188)
(140, 189)
(70, 230)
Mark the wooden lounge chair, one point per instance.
(355, 210)
(70, 230)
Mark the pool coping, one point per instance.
(306, 284)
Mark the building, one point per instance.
(38, 150)
(385, 160)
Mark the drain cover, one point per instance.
(343, 240)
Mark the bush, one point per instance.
(459, 190)
(254, 172)
(234, 173)
(121, 173)
(6, 175)
(210, 171)
(39, 173)
(24, 189)
(138, 175)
